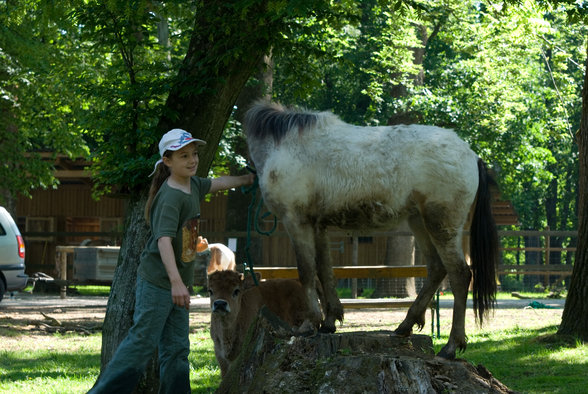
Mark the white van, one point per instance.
(12, 255)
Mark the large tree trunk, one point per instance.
(200, 102)
(121, 302)
(575, 315)
(203, 108)
(248, 250)
(400, 250)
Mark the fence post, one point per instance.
(61, 262)
(354, 258)
(547, 256)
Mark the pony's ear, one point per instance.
(248, 282)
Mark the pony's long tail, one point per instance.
(484, 247)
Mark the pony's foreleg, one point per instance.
(332, 307)
(302, 237)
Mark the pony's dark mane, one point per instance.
(265, 119)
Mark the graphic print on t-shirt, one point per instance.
(190, 239)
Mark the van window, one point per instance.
(2, 231)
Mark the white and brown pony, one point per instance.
(316, 171)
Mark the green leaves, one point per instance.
(91, 78)
(38, 112)
(350, 66)
(507, 79)
(503, 81)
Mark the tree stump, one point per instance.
(274, 361)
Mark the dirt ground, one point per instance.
(41, 315)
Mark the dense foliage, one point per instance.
(101, 79)
(39, 110)
(91, 78)
(507, 80)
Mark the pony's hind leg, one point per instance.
(435, 274)
(444, 228)
(332, 307)
(459, 279)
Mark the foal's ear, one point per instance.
(248, 282)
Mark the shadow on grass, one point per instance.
(51, 365)
(530, 360)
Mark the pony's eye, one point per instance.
(236, 292)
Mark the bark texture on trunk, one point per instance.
(575, 315)
(217, 65)
(272, 360)
(224, 59)
(400, 250)
(121, 302)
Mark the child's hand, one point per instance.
(249, 179)
(180, 295)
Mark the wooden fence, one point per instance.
(546, 268)
(339, 248)
(357, 272)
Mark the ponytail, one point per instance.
(162, 172)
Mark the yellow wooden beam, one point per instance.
(64, 174)
(381, 271)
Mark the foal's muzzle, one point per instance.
(221, 306)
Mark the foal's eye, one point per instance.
(236, 292)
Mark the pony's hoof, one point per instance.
(446, 354)
(307, 329)
(327, 330)
(401, 333)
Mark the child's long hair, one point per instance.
(162, 172)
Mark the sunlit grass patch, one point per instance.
(51, 364)
(529, 360)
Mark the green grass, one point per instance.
(526, 360)
(342, 292)
(529, 360)
(346, 293)
(71, 364)
(502, 295)
(50, 364)
(447, 295)
(104, 291)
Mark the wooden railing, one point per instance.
(545, 268)
(344, 272)
(358, 272)
(362, 271)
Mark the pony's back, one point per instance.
(316, 155)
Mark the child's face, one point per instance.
(183, 162)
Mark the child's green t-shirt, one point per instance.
(174, 214)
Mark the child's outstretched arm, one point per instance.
(230, 182)
(180, 293)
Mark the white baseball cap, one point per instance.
(173, 140)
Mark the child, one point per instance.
(166, 270)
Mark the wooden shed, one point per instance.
(69, 216)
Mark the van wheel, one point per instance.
(2, 289)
